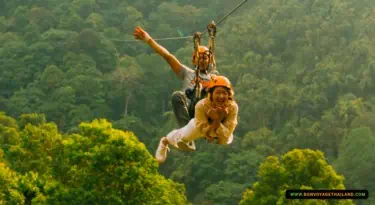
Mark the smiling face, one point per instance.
(220, 95)
(204, 61)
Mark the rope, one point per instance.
(185, 37)
(222, 19)
(238, 6)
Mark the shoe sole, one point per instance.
(183, 146)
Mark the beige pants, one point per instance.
(187, 133)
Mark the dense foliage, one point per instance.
(98, 164)
(303, 73)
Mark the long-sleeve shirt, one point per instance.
(226, 127)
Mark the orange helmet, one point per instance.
(201, 50)
(220, 81)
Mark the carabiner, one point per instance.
(211, 29)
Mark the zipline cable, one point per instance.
(185, 37)
(222, 19)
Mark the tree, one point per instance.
(44, 18)
(14, 73)
(71, 21)
(95, 21)
(31, 118)
(297, 169)
(85, 7)
(97, 164)
(35, 150)
(8, 189)
(27, 100)
(356, 148)
(58, 39)
(124, 81)
(38, 58)
(92, 43)
(223, 193)
(51, 78)
(9, 134)
(104, 165)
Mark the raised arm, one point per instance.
(173, 62)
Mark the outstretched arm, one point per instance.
(173, 62)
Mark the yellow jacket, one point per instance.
(227, 126)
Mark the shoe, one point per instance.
(161, 152)
(186, 146)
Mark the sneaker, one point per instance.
(161, 152)
(186, 146)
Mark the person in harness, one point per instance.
(194, 82)
(215, 119)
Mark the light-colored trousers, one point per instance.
(188, 133)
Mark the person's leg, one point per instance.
(184, 137)
(180, 105)
(161, 152)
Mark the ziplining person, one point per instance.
(215, 119)
(194, 82)
(194, 88)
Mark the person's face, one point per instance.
(204, 60)
(220, 95)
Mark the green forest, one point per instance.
(83, 105)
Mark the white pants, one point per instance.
(187, 133)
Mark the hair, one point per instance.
(211, 90)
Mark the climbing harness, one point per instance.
(198, 86)
(211, 28)
(198, 93)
